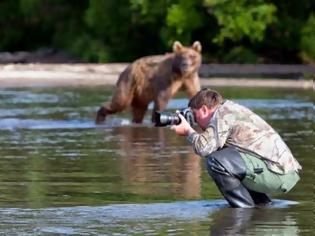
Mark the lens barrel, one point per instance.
(166, 118)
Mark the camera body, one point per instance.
(168, 118)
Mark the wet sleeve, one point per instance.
(204, 143)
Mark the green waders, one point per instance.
(259, 178)
(245, 180)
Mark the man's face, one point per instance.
(202, 116)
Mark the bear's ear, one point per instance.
(197, 46)
(177, 46)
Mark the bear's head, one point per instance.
(187, 60)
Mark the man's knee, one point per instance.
(226, 161)
(214, 167)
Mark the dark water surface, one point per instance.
(63, 175)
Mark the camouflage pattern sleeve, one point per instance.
(204, 143)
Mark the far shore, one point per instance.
(43, 75)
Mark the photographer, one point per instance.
(246, 157)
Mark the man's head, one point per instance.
(207, 97)
(203, 105)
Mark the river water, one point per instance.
(63, 175)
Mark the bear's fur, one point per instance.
(155, 79)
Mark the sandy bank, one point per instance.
(32, 75)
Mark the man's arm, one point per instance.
(203, 144)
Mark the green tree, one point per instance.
(282, 41)
(241, 18)
(126, 28)
(11, 25)
(182, 19)
(123, 30)
(241, 24)
(308, 40)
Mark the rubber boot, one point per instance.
(260, 199)
(227, 169)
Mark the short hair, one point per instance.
(207, 97)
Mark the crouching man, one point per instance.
(246, 157)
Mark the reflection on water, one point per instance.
(62, 174)
(152, 166)
(242, 221)
(150, 219)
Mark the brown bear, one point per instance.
(155, 79)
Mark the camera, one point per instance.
(168, 118)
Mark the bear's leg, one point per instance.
(101, 115)
(110, 108)
(192, 86)
(121, 100)
(153, 116)
(138, 113)
(160, 104)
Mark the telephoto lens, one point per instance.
(166, 118)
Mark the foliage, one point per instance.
(241, 18)
(240, 54)
(183, 18)
(123, 30)
(308, 40)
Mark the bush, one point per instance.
(240, 55)
(308, 40)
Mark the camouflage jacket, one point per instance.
(237, 126)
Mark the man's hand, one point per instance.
(183, 128)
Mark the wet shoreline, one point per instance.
(45, 75)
